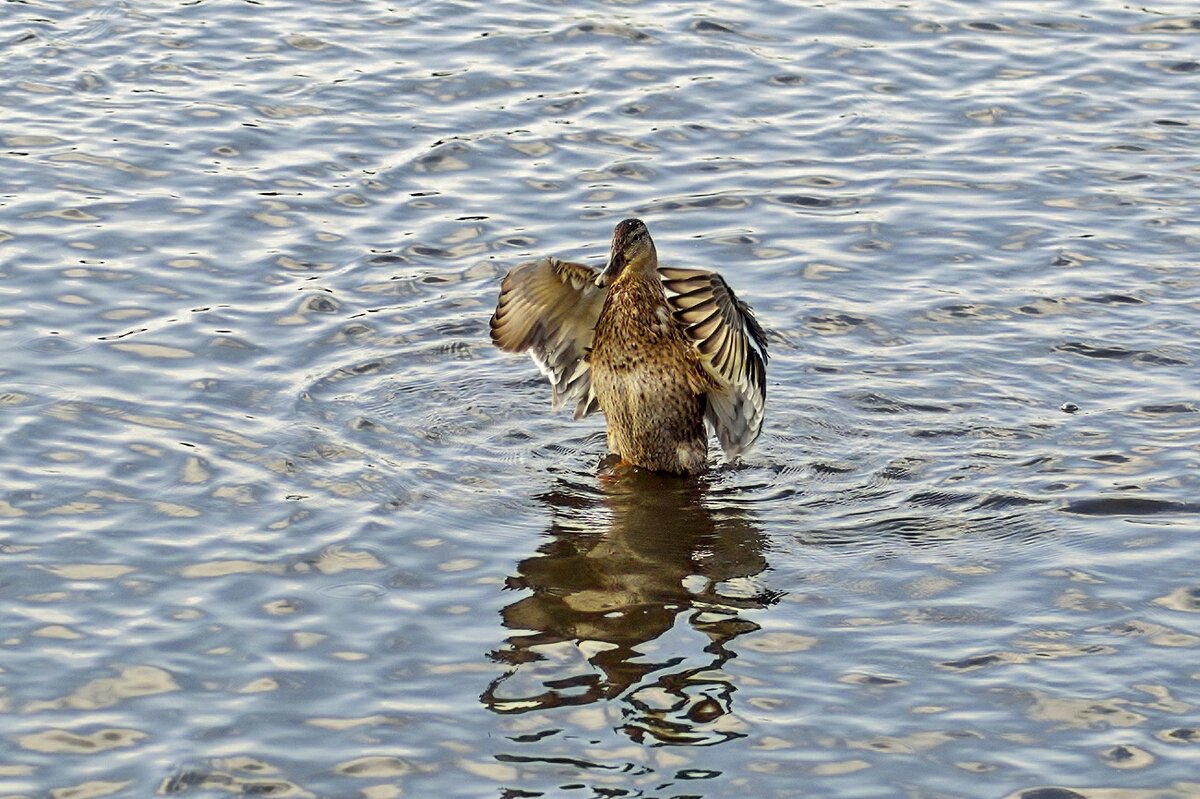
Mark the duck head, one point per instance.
(632, 252)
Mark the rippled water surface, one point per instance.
(277, 519)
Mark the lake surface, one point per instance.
(277, 519)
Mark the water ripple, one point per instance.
(277, 518)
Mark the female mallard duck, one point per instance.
(659, 350)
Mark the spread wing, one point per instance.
(549, 308)
(732, 349)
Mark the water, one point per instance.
(276, 518)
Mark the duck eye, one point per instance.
(629, 229)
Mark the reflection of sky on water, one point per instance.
(274, 514)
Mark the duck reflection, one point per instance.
(619, 570)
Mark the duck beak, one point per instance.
(616, 262)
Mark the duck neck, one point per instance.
(640, 267)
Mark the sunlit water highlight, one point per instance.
(276, 518)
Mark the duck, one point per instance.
(660, 351)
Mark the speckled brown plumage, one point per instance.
(648, 379)
(658, 350)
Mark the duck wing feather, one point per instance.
(732, 349)
(549, 308)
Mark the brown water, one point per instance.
(277, 519)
